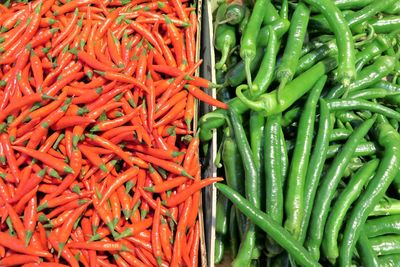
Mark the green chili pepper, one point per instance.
(290, 116)
(270, 13)
(234, 240)
(367, 77)
(273, 175)
(274, 230)
(232, 164)
(394, 9)
(386, 24)
(280, 27)
(250, 168)
(294, 202)
(284, 155)
(367, 12)
(348, 117)
(284, 11)
(383, 226)
(387, 86)
(248, 43)
(344, 40)
(317, 161)
(235, 13)
(372, 93)
(352, 4)
(266, 71)
(245, 20)
(359, 104)
(298, 87)
(387, 170)
(389, 260)
(291, 55)
(220, 14)
(252, 187)
(247, 247)
(256, 139)
(342, 205)
(386, 206)
(339, 134)
(354, 165)
(221, 220)
(379, 45)
(316, 43)
(365, 251)
(320, 53)
(362, 149)
(225, 40)
(386, 245)
(268, 103)
(234, 172)
(219, 249)
(327, 188)
(237, 75)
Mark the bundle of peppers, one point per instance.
(99, 164)
(310, 144)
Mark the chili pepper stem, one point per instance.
(247, 63)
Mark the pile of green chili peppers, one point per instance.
(310, 144)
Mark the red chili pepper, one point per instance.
(177, 84)
(25, 101)
(16, 245)
(198, 93)
(108, 145)
(93, 62)
(145, 33)
(10, 156)
(20, 260)
(66, 253)
(169, 58)
(110, 124)
(114, 49)
(171, 115)
(45, 158)
(107, 23)
(68, 29)
(183, 195)
(99, 246)
(114, 76)
(167, 165)
(16, 222)
(68, 7)
(180, 232)
(124, 177)
(66, 228)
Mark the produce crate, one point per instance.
(203, 213)
(207, 70)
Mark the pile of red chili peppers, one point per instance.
(98, 162)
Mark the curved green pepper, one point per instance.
(225, 40)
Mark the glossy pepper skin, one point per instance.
(225, 40)
(216, 118)
(328, 187)
(252, 188)
(387, 170)
(294, 204)
(274, 230)
(248, 43)
(345, 43)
